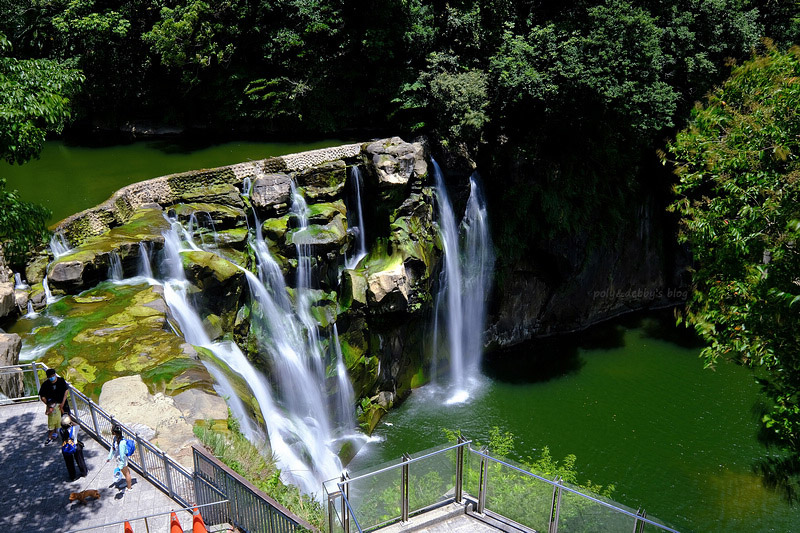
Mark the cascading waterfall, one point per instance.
(114, 266)
(59, 245)
(358, 229)
(145, 269)
(295, 409)
(464, 284)
(301, 414)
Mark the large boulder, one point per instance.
(11, 385)
(322, 182)
(272, 193)
(158, 417)
(388, 290)
(8, 302)
(396, 162)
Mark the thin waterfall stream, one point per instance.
(463, 285)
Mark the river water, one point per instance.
(630, 399)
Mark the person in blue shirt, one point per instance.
(119, 452)
(72, 448)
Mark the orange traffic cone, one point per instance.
(198, 526)
(128, 528)
(174, 524)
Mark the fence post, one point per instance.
(638, 527)
(94, 420)
(484, 481)
(168, 479)
(460, 468)
(404, 489)
(36, 377)
(345, 499)
(555, 509)
(139, 447)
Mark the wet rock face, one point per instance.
(372, 303)
(272, 193)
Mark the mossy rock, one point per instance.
(113, 331)
(322, 182)
(322, 213)
(210, 216)
(88, 264)
(322, 238)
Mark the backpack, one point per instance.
(130, 447)
(69, 444)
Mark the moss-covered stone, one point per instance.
(321, 182)
(117, 330)
(89, 263)
(210, 216)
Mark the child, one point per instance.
(53, 421)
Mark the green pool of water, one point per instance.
(633, 402)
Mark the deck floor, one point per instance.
(36, 487)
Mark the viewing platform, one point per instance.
(453, 488)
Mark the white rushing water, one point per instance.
(463, 286)
(293, 402)
(358, 229)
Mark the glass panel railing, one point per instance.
(376, 499)
(506, 487)
(431, 480)
(579, 513)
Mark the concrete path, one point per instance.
(35, 487)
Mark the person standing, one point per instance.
(72, 448)
(53, 393)
(119, 451)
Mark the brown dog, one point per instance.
(81, 496)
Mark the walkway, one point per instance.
(35, 484)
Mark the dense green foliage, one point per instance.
(739, 198)
(34, 100)
(563, 104)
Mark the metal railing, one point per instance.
(495, 488)
(248, 508)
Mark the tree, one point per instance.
(34, 100)
(739, 199)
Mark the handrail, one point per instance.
(577, 492)
(407, 462)
(349, 518)
(145, 517)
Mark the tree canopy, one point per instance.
(739, 198)
(34, 100)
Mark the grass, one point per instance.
(233, 449)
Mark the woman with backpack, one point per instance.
(119, 451)
(72, 448)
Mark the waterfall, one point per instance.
(48, 296)
(114, 266)
(247, 187)
(463, 283)
(59, 245)
(295, 409)
(145, 270)
(18, 283)
(358, 229)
